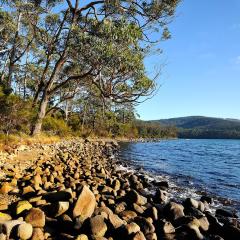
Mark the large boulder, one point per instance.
(85, 205)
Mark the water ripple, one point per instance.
(211, 164)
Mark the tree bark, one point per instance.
(41, 114)
(47, 87)
(13, 53)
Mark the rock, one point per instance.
(203, 223)
(116, 184)
(57, 196)
(174, 210)
(226, 213)
(231, 232)
(201, 206)
(120, 207)
(145, 225)
(37, 180)
(6, 188)
(115, 221)
(3, 236)
(194, 212)
(35, 199)
(36, 217)
(59, 208)
(3, 206)
(9, 225)
(195, 232)
(37, 234)
(128, 215)
(25, 231)
(28, 190)
(132, 228)
(85, 205)
(194, 224)
(190, 202)
(207, 199)
(23, 206)
(133, 197)
(4, 217)
(138, 208)
(163, 185)
(151, 236)
(216, 237)
(98, 226)
(151, 212)
(104, 211)
(82, 237)
(166, 227)
(139, 236)
(161, 196)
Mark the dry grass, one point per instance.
(13, 141)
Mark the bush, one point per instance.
(15, 114)
(55, 126)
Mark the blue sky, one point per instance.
(201, 75)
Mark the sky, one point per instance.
(201, 63)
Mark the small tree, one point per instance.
(15, 114)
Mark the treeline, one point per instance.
(155, 130)
(204, 127)
(84, 118)
(209, 133)
(77, 66)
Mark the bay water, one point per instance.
(194, 167)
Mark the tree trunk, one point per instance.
(66, 110)
(3, 70)
(41, 114)
(13, 53)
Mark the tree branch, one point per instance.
(75, 77)
(89, 5)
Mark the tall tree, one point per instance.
(101, 44)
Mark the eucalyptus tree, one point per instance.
(16, 37)
(99, 43)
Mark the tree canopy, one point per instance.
(54, 51)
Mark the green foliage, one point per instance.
(15, 113)
(56, 126)
(55, 51)
(155, 130)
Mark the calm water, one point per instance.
(211, 166)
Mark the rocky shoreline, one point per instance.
(76, 190)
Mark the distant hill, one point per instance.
(204, 127)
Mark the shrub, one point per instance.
(15, 113)
(55, 126)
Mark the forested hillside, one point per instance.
(204, 127)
